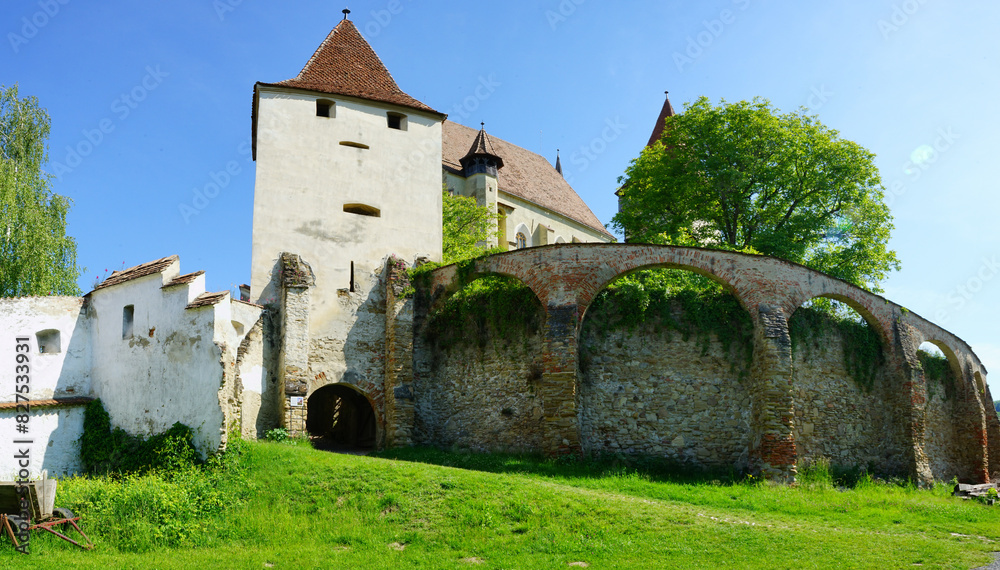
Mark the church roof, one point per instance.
(345, 64)
(483, 146)
(526, 175)
(667, 111)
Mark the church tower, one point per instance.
(348, 174)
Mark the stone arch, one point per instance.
(869, 317)
(647, 264)
(343, 415)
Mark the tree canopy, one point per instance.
(36, 255)
(743, 176)
(467, 228)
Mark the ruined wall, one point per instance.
(651, 392)
(942, 443)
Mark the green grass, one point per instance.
(293, 507)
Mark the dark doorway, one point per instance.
(341, 418)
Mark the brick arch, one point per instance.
(953, 360)
(566, 278)
(877, 324)
(693, 269)
(465, 275)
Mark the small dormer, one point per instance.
(482, 158)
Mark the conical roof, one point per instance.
(345, 64)
(483, 146)
(666, 111)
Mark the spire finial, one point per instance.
(483, 125)
(346, 12)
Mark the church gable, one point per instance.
(525, 175)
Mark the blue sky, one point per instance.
(151, 102)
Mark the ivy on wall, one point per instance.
(669, 301)
(938, 373)
(862, 347)
(104, 450)
(491, 308)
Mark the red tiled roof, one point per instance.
(525, 175)
(667, 111)
(181, 280)
(345, 64)
(207, 299)
(149, 268)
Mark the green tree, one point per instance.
(36, 255)
(742, 176)
(467, 227)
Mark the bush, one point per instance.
(104, 450)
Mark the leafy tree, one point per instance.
(468, 227)
(36, 255)
(741, 176)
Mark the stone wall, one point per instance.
(837, 419)
(651, 392)
(480, 398)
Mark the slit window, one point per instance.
(352, 277)
(128, 316)
(363, 210)
(48, 342)
(326, 108)
(396, 121)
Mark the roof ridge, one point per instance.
(345, 64)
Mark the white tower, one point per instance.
(348, 173)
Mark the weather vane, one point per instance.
(346, 11)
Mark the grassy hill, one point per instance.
(289, 506)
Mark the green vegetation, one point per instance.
(493, 307)
(466, 226)
(938, 373)
(114, 451)
(862, 347)
(665, 300)
(276, 505)
(743, 175)
(36, 255)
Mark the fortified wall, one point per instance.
(568, 387)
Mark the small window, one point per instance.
(48, 342)
(128, 316)
(363, 210)
(325, 108)
(239, 328)
(353, 144)
(522, 242)
(397, 121)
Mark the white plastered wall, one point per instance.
(65, 374)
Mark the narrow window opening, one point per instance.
(325, 108)
(363, 210)
(352, 277)
(396, 121)
(128, 315)
(48, 342)
(522, 241)
(353, 144)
